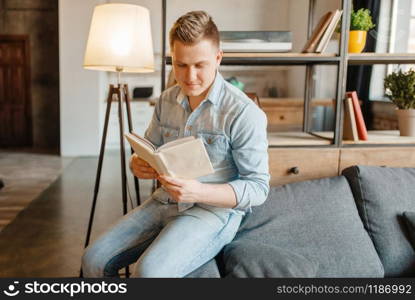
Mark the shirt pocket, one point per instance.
(217, 147)
(169, 133)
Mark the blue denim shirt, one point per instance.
(233, 129)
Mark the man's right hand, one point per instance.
(141, 169)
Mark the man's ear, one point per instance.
(219, 57)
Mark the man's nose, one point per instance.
(191, 74)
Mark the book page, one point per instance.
(145, 141)
(161, 165)
(144, 150)
(175, 142)
(187, 160)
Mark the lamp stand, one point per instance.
(120, 94)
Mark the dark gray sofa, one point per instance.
(345, 226)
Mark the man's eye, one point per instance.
(181, 65)
(199, 66)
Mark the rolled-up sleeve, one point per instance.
(249, 144)
(153, 131)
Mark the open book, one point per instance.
(183, 158)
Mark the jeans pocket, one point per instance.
(213, 219)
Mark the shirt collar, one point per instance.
(212, 95)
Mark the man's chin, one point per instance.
(193, 93)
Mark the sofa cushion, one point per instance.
(318, 220)
(250, 259)
(409, 219)
(382, 195)
(208, 270)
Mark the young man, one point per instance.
(185, 223)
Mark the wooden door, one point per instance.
(15, 101)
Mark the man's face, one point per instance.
(195, 66)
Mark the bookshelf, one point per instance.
(381, 58)
(384, 137)
(375, 138)
(296, 138)
(306, 138)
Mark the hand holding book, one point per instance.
(141, 169)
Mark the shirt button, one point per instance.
(189, 128)
(209, 141)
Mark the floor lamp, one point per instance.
(119, 41)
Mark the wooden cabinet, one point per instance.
(283, 118)
(378, 156)
(298, 164)
(287, 165)
(286, 114)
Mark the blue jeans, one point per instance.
(162, 241)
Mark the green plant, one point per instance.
(361, 20)
(400, 88)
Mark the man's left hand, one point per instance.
(182, 190)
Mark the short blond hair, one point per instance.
(194, 27)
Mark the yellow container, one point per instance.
(357, 41)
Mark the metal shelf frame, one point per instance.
(381, 58)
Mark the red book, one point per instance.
(360, 122)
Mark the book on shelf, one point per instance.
(324, 41)
(323, 32)
(317, 33)
(360, 122)
(349, 121)
(183, 158)
(255, 41)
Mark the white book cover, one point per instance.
(182, 158)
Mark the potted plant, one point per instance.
(360, 24)
(400, 88)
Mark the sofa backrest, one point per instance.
(317, 220)
(382, 195)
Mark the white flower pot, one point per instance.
(406, 120)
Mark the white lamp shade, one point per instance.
(120, 37)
